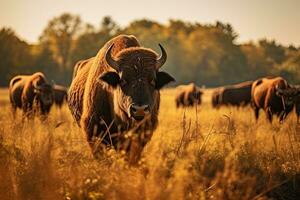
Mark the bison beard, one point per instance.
(114, 96)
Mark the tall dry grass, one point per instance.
(194, 154)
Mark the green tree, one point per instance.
(59, 35)
(15, 56)
(91, 40)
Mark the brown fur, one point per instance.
(264, 97)
(298, 108)
(297, 103)
(16, 86)
(238, 94)
(23, 95)
(188, 95)
(233, 95)
(96, 105)
(216, 97)
(79, 65)
(60, 94)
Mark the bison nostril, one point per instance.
(139, 110)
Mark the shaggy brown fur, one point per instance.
(16, 86)
(266, 95)
(188, 95)
(100, 97)
(233, 95)
(25, 91)
(237, 95)
(79, 65)
(60, 94)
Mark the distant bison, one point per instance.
(216, 98)
(117, 91)
(298, 108)
(274, 96)
(297, 103)
(188, 95)
(234, 95)
(31, 94)
(60, 94)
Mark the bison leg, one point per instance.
(27, 111)
(92, 131)
(256, 113)
(269, 114)
(14, 110)
(177, 104)
(282, 117)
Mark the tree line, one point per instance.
(207, 54)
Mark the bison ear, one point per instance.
(162, 78)
(111, 78)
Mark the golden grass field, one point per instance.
(208, 154)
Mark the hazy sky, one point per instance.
(252, 19)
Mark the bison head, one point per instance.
(136, 80)
(289, 95)
(44, 93)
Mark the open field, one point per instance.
(194, 154)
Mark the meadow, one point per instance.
(195, 153)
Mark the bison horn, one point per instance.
(110, 61)
(162, 59)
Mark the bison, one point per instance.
(60, 94)
(116, 93)
(31, 93)
(188, 95)
(298, 108)
(274, 96)
(234, 95)
(216, 97)
(297, 103)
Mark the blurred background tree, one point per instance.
(207, 54)
(15, 56)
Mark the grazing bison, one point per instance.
(31, 93)
(188, 95)
(274, 96)
(117, 91)
(60, 94)
(234, 95)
